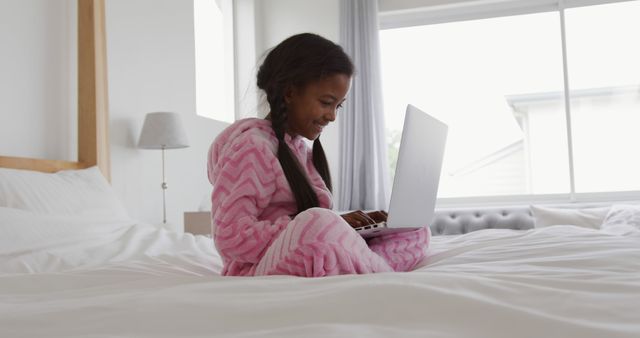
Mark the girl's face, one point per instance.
(312, 107)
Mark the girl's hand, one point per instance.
(378, 216)
(359, 218)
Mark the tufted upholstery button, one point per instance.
(477, 215)
(453, 216)
(504, 213)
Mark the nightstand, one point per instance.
(197, 222)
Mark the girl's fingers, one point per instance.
(366, 218)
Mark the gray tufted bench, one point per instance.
(454, 221)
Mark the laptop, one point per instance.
(415, 186)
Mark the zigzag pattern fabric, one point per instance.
(251, 207)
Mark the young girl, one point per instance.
(271, 199)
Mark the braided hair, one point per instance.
(294, 63)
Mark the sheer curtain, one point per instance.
(364, 172)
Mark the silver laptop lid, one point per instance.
(415, 186)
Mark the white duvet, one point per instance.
(73, 277)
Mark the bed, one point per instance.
(74, 264)
(74, 276)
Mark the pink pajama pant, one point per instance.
(319, 243)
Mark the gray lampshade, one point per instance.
(163, 130)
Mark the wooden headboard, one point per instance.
(93, 112)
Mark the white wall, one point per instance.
(36, 97)
(151, 64)
(278, 19)
(152, 68)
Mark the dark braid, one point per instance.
(295, 62)
(321, 164)
(303, 192)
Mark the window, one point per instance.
(499, 83)
(604, 77)
(213, 31)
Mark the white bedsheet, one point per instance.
(64, 277)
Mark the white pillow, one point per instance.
(584, 217)
(623, 214)
(83, 192)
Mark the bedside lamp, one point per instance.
(163, 131)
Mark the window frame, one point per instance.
(475, 10)
(485, 9)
